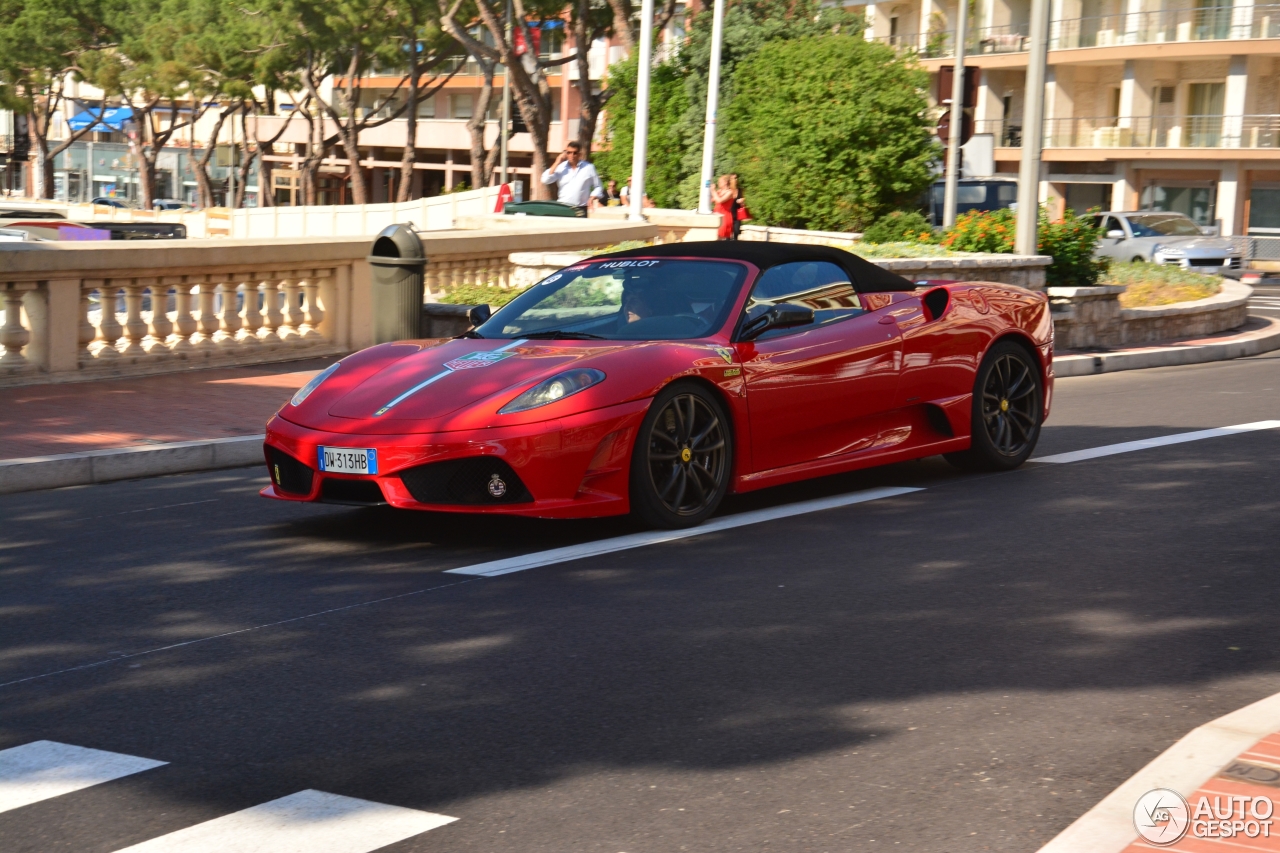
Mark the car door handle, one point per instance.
(887, 319)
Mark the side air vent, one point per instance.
(288, 474)
(938, 421)
(351, 492)
(936, 302)
(477, 480)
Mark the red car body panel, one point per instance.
(891, 384)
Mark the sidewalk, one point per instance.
(44, 420)
(1231, 764)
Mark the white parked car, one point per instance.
(1165, 238)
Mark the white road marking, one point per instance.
(305, 822)
(1162, 441)
(653, 537)
(45, 769)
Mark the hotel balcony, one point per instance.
(1207, 137)
(1160, 34)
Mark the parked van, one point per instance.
(973, 194)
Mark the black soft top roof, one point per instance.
(865, 276)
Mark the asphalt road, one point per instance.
(1266, 298)
(967, 667)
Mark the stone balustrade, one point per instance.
(84, 310)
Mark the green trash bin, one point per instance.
(398, 262)
(542, 208)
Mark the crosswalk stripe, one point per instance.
(305, 822)
(44, 769)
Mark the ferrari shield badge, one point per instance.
(726, 354)
(477, 359)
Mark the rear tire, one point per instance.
(683, 458)
(1008, 405)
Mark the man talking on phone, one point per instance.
(577, 179)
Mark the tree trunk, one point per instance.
(266, 192)
(480, 169)
(622, 23)
(409, 155)
(147, 175)
(591, 102)
(204, 184)
(246, 160)
(42, 168)
(350, 140)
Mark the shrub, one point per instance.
(900, 227)
(481, 294)
(982, 231)
(1160, 284)
(828, 132)
(1070, 242)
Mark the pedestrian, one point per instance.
(577, 179)
(625, 194)
(612, 197)
(740, 212)
(722, 197)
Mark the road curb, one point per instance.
(1184, 767)
(1253, 343)
(127, 463)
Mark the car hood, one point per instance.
(436, 386)
(1194, 244)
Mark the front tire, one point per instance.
(683, 458)
(1008, 404)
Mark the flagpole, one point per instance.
(640, 148)
(713, 106)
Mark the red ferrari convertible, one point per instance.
(656, 381)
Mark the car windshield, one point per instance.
(1163, 225)
(624, 300)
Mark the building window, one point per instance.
(460, 106)
(427, 107)
(1197, 199)
(1204, 114)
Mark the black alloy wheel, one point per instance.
(1007, 410)
(681, 463)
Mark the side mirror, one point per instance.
(478, 314)
(784, 315)
(1115, 234)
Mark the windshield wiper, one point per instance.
(471, 333)
(558, 333)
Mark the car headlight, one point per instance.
(556, 388)
(1171, 252)
(305, 391)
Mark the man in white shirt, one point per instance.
(578, 180)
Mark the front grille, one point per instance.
(478, 480)
(1206, 262)
(1235, 263)
(353, 492)
(288, 474)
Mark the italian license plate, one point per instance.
(349, 460)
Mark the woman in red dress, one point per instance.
(723, 198)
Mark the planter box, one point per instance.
(1091, 317)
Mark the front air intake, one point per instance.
(351, 492)
(475, 481)
(288, 474)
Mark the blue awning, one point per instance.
(112, 119)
